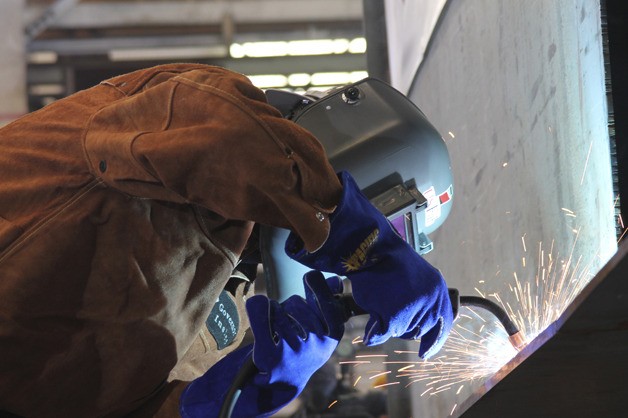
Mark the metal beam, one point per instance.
(250, 66)
(94, 46)
(377, 40)
(47, 17)
(576, 367)
(176, 13)
(289, 65)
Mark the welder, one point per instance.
(124, 212)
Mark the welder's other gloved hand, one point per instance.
(292, 340)
(405, 296)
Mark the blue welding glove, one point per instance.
(405, 296)
(292, 340)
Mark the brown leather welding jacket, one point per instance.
(123, 210)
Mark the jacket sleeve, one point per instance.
(207, 136)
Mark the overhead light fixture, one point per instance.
(42, 57)
(337, 78)
(357, 46)
(297, 80)
(236, 51)
(269, 80)
(259, 49)
(50, 89)
(318, 47)
(174, 53)
(297, 48)
(358, 75)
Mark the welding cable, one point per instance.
(515, 336)
(352, 309)
(246, 373)
(493, 308)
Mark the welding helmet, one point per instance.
(396, 156)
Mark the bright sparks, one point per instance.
(543, 299)
(478, 346)
(467, 355)
(586, 163)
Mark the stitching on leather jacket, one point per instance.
(33, 232)
(231, 256)
(240, 105)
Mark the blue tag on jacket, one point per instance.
(223, 320)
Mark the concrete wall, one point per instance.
(12, 61)
(517, 91)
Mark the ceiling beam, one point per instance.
(47, 17)
(275, 65)
(92, 46)
(95, 46)
(176, 13)
(288, 65)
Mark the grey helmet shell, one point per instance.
(395, 154)
(384, 140)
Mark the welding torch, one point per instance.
(350, 309)
(516, 338)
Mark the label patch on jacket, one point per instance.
(223, 321)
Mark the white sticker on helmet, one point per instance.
(433, 210)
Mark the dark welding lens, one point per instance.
(404, 226)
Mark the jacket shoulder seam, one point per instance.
(237, 103)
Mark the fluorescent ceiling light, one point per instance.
(269, 80)
(144, 54)
(358, 75)
(329, 79)
(297, 48)
(357, 46)
(47, 89)
(236, 51)
(337, 78)
(42, 57)
(259, 49)
(299, 79)
(318, 47)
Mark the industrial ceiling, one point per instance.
(297, 44)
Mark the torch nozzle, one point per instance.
(515, 336)
(518, 340)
